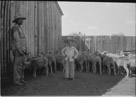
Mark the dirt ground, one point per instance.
(126, 87)
(85, 84)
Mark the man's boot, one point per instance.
(22, 81)
(19, 83)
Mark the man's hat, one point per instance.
(69, 39)
(19, 16)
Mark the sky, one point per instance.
(98, 18)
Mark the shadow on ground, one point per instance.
(85, 84)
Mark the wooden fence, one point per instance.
(113, 44)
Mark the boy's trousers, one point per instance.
(69, 69)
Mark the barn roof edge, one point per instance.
(59, 8)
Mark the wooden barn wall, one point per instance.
(113, 44)
(42, 28)
(5, 24)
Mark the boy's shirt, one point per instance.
(71, 53)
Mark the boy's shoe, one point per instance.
(66, 78)
(71, 78)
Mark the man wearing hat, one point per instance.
(18, 48)
(70, 53)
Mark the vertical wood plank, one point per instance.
(27, 28)
(121, 43)
(22, 13)
(45, 26)
(2, 34)
(38, 33)
(59, 28)
(29, 25)
(105, 43)
(42, 26)
(47, 22)
(2, 38)
(56, 33)
(118, 46)
(5, 30)
(0, 7)
(7, 33)
(48, 25)
(108, 41)
(1, 27)
(39, 26)
(127, 46)
(3, 8)
(12, 12)
(60, 36)
(50, 40)
(43, 41)
(133, 43)
(35, 28)
(30, 33)
(53, 33)
(26, 24)
(55, 28)
(32, 27)
(129, 43)
(124, 42)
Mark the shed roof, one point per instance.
(59, 8)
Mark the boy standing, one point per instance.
(70, 53)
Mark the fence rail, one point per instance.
(113, 44)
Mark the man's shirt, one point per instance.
(18, 38)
